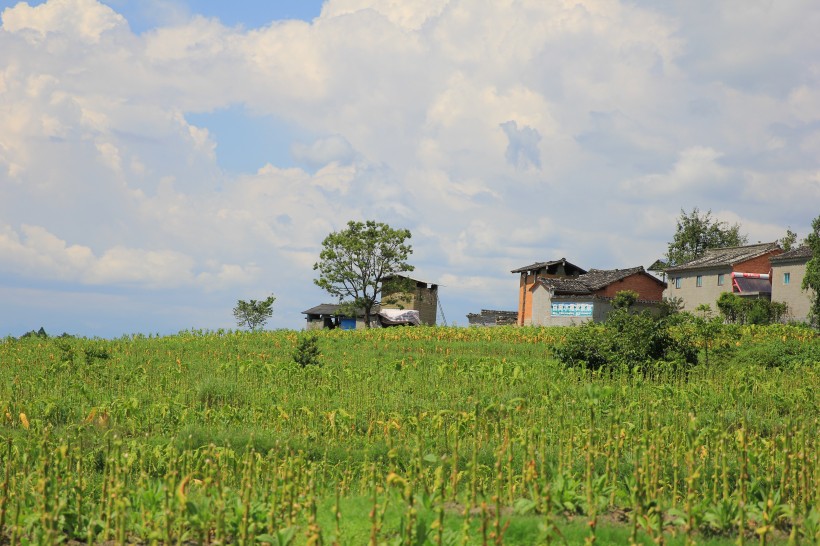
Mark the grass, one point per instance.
(223, 435)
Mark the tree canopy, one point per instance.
(253, 314)
(696, 232)
(355, 262)
(812, 279)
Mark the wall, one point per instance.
(710, 291)
(542, 305)
(757, 265)
(525, 295)
(694, 295)
(799, 300)
(423, 299)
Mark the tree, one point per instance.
(253, 314)
(624, 299)
(696, 232)
(788, 241)
(812, 279)
(355, 262)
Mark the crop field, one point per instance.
(405, 436)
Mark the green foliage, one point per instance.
(625, 340)
(413, 435)
(788, 241)
(696, 232)
(812, 279)
(354, 262)
(779, 354)
(738, 310)
(253, 314)
(307, 352)
(624, 299)
(671, 306)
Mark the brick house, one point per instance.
(788, 270)
(743, 270)
(422, 297)
(564, 301)
(529, 275)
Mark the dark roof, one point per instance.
(332, 308)
(599, 278)
(322, 309)
(489, 317)
(593, 280)
(725, 257)
(800, 254)
(546, 265)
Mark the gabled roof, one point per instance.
(546, 265)
(593, 280)
(726, 257)
(322, 309)
(332, 309)
(801, 254)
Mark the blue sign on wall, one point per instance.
(573, 309)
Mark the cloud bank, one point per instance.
(499, 133)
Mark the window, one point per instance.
(699, 281)
(786, 278)
(721, 276)
(677, 282)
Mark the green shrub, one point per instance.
(625, 340)
(738, 310)
(307, 351)
(779, 353)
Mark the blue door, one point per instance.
(348, 324)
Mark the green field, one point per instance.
(405, 436)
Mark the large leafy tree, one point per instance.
(696, 232)
(253, 314)
(812, 279)
(355, 262)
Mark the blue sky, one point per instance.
(161, 159)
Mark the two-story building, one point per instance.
(788, 270)
(744, 270)
(529, 275)
(566, 301)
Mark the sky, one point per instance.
(161, 159)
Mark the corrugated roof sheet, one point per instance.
(725, 257)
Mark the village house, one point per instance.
(565, 301)
(529, 276)
(421, 296)
(559, 293)
(743, 270)
(788, 270)
(420, 302)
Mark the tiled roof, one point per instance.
(592, 281)
(543, 265)
(798, 254)
(489, 317)
(725, 257)
(599, 278)
(322, 309)
(566, 285)
(332, 308)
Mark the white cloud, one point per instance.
(697, 170)
(499, 132)
(85, 20)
